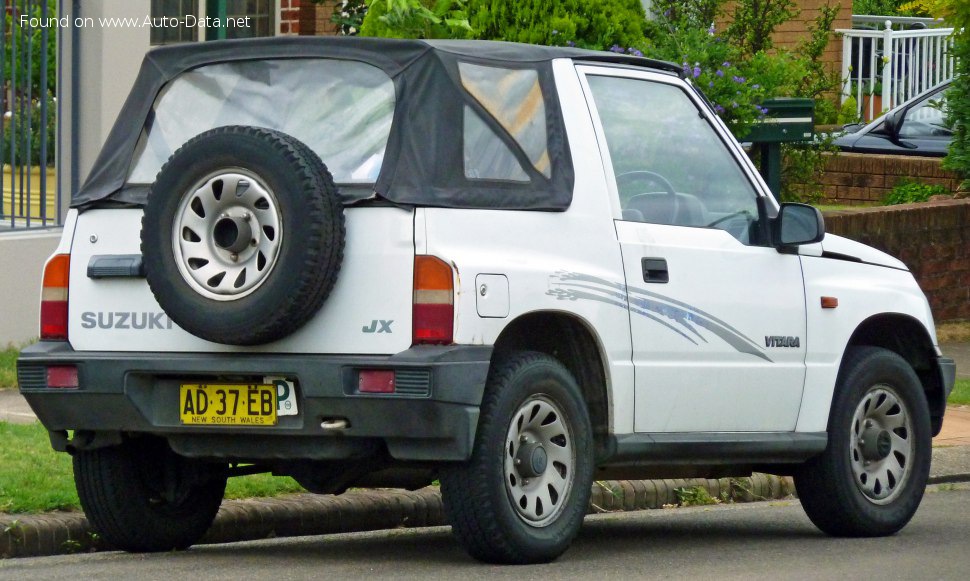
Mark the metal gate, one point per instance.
(28, 101)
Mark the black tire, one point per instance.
(256, 266)
(142, 497)
(860, 489)
(478, 495)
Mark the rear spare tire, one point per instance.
(242, 236)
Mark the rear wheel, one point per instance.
(142, 497)
(523, 495)
(871, 477)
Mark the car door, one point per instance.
(717, 316)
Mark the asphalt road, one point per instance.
(761, 540)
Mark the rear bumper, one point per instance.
(138, 393)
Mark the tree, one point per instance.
(33, 38)
(595, 24)
(957, 14)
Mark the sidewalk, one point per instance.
(14, 408)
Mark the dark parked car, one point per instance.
(917, 127)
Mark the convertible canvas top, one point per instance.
(423, 162)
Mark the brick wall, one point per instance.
(794, 32)
(862, 178)
(315, 19)
(932, 238)
(290, 16)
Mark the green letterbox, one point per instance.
(787, 121)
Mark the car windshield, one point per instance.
(341, 109)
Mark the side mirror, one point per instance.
(797, 224)
(893, 124)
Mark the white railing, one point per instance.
(883, 68)
(898, 22)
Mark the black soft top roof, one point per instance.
(420, 164)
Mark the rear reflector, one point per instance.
(63, 376)
(53, 299)
(433, 313)
(375, 381)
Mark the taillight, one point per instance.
(53, 298)
(433, 313)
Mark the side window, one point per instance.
(670, 165)
(927, 120)
(513, 98)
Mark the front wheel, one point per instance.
(523, 495)
(871, 477)
(142, 497)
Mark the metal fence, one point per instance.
(27, 100)
(886, 61)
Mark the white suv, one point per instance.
(515, 269)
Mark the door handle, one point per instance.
(655, 270)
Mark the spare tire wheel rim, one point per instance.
(227, 235)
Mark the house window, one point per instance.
(173, 11)
(212, 19)
(240, 18)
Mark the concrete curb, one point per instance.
(312, 514)
(367, 510)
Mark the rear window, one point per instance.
(341, 109)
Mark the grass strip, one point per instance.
(34, 478)
(8, 366)
(961, 393)
(958, 332)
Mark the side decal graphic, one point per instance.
(679, 317)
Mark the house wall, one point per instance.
(315, 18)
(289, 16)
(22, 258)
(932, 238)
(794, 32)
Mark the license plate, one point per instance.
(227, 404)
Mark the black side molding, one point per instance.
(116, 266)
(659, 449)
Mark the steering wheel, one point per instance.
(632, 177)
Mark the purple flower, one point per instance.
(738, 79)
(725, 64)
(710, 30)
(718, 109)
(719, 73)
(710, 84)
(697, 71)
(570, 43)
(734, 104)
(755, 86)
(634, 51)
